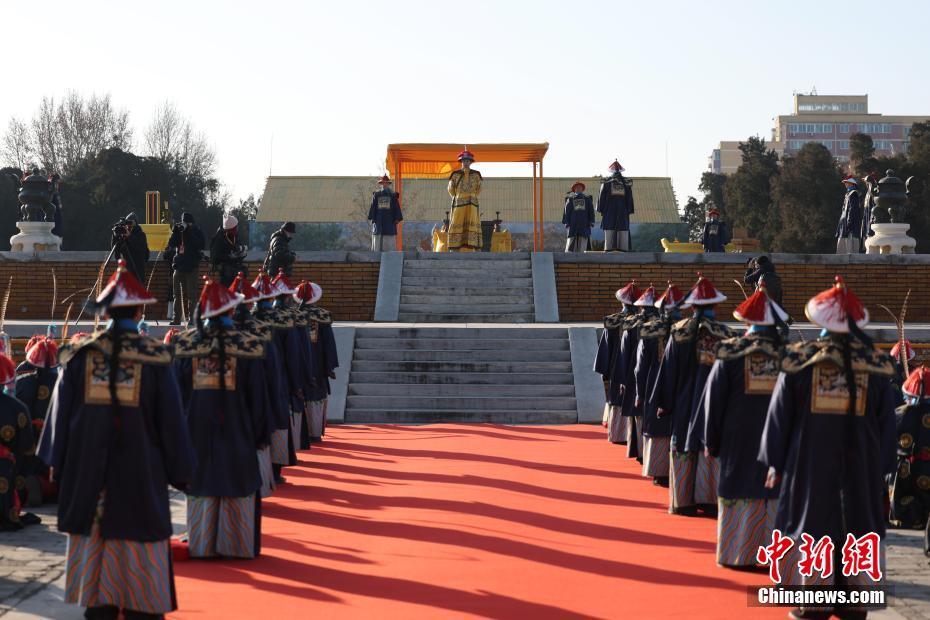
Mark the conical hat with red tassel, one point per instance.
(215, 299)
(629, 293)
(123, 289)
(896, 350)
(242, 286)
(917, 384)
(647, 299)
(42, 351)
(759, 309)
(704, 293)
(671, 298)
(282, 286)
(262, 284)
(170, 335)
(308, 292)
(7, 370)
(833, 308)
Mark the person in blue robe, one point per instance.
(653, 335)
(631, 408)
(615, 204)
(736, 401)
(689, 355)
(849, 228)
(830, 447)
(224, 390)
(35, 379)
(607, 363)
(115, 439)
(716, 233)
(910, 496)
(16, 445)
(300, 371)
(384, 214)
(323, 357)
(578, 218)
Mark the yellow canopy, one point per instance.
(431, 161)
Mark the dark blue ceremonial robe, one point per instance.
(626, 365)
(578, 217)
(715, 236)
(16, 442)
(133, 456)
(226, 427)
(648, 361)
(735, 414)
(605, 363)
(851, 216)
(323, 358)
(34, 387)
(384, 212)
(829, 476)
(910, 503)
(615, 203)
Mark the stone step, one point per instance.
(451, 367)
(446, 279)
(363, 343)
(513, 296)
(486, 355)
(471, 256)
(415, 265)
(465, 333)
(412, 377)
(466, 308)
(458, 390)
(461, 292)
(421, 416)
(467, 275)
(453, 403)
(417, 317)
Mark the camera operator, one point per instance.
(279, 251)
(131, 245)
(226, 254)
(187, 241)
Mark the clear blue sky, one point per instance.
(336, 81)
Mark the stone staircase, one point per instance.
(461, 374)
(480, 287)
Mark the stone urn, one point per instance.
(35, 232)
(889, 213)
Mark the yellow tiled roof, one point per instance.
(346, 199)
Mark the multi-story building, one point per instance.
(829, 120)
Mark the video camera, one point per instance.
(122, 228)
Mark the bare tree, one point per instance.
(171, 138)
(17, 150)
(66, 134)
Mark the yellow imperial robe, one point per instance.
(465, 224)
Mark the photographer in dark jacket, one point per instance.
(131, 245)
(226, 253)
(279, 251)
(761, 270)
(187, 241)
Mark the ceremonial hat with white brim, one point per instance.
(281, 285)
(215, 299)
(308, 292)
(671, 298)
(648, 298)
(42, 351)
(917, 384)
(262, 284)
(241, 285)
(896, 350)
(7, 370)
(759, 309)
(703, 293)
(835, 307)
(629, 293)
(123, 290)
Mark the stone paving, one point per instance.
(32, 564)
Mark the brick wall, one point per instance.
(349, 288)
(586, 290)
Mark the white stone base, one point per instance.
(35, 237)
(890, 239)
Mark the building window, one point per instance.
(842, 144)
(844, 127)
(795, 144)
(828, 144)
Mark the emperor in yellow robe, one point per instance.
(465, 225)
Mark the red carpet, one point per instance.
(470, 520)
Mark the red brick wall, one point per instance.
(586, 290)
(349, 288)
